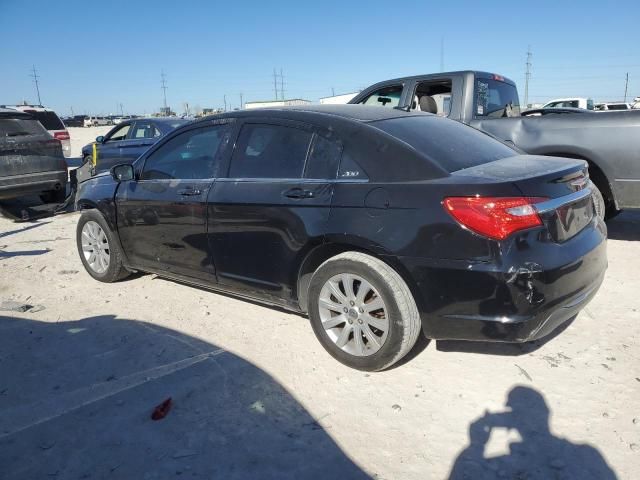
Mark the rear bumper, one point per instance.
(524, 295)
(32, 183)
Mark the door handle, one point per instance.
(298, 193)
(189, 192)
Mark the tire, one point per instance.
(333, 326)
(87, 232)
(53, 196)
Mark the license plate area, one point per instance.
(569, 219)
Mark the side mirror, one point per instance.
(122, 172)
(100, 139)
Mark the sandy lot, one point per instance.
(255, 396)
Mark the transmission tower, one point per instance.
(35, 77)
(163, 83)
(527, 76)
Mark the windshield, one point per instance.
(495, 99)
(450, 144)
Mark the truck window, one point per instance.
(495, 99)
(385, 97)
(433, 97)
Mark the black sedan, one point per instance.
(377, 223)
(124, 143)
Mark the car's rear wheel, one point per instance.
(98, 248)
(362, 311)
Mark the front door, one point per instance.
(162, 215)
(108, 152)
(272, 207)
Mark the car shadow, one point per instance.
(76, 400)
(23, 229)
(625, 226)
(500, 348)
(538, 454)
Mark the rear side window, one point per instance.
(49, 120)
(145, 130)
(270, 151)
(194, 154)
(323, 159)
(13, 127)
(495, 99)
(447, 143)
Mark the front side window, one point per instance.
(270, 151)
(194, 154)
(385, 97)
(495, 99)
(119, 134)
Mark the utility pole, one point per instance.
(281, 84)
(626, 85)
(225, 103)
(35, 77)
(163, 82)
(72, 112)
(333, 92)
(121, 110)
(241, 102)
(442, 54)
(275, 82)
(527, 76)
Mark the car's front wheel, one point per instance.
(98, 248)
(362, 311)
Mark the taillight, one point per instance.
(494, 217)
(61, 135)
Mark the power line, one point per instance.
(527, 75)
(35, 77)
(164, 87)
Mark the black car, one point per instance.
(31, 160)
(124, 143)
(375, 222)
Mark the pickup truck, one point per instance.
(608, 141)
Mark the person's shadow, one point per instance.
(539, 454)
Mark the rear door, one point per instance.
(143, 134)
(272, 207)
(162, 215)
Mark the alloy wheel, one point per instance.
(95, 247)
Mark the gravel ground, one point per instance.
(255, 396)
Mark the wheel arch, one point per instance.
(321, 253)
(596, 174)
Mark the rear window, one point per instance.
(19, 127)
(49, 120)
(447, 143)
(495, 99)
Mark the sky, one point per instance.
(92, 56)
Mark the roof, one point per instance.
(446, 74)
(280, 101)
(361, 113)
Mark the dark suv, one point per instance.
(376, 222)
(31, 160)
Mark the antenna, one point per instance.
(527, 76)
(35, 77)
(164, 87)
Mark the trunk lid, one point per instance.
(562, 182)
